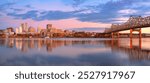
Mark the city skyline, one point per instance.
(82, 15)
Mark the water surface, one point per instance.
(75, 52)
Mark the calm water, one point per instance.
(74, 51)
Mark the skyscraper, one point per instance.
(39, 29)
(49, 26)
(24, 27)
(17, 30)
(20, 29)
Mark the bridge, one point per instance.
(134, 23)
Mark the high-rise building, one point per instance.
(17, 30)
(20, 29)
(49, 26)
(39, 29)
(24, 27)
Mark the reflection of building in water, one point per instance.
(51, 44)
(40, 44)
(24, 45)
(2, 42)
(10, 43)
(31, 43)
(19, 43)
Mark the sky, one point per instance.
(80, 15)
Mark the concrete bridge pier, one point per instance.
(131, 31)
(138, 30)
(140, 37)
(118, 34)
(113, 34)
(140, 33)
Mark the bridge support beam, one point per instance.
(138, 30)
(140, 33)
(140, 37)
(131, 31)
(118, 34)
(112, 35)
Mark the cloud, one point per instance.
(5, 6)
(76, 3)
(46, 15)
(127, 11)
(28, 6)
(120, 19)
(17, 9)
(56, 15)
(30, 14)
(107, 12)
(89, 29)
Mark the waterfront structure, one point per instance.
(43, 33)
(134, 23)
(48, 26)
(68, 33)
(31, 30)
(50, 31)
(24, 27)
(20, 30)
(10, 31)
(39, 29)
(1, 32)
(17, 30)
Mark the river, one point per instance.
(75, 52)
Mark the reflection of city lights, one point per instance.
(138, 50)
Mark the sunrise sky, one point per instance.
(81, 15)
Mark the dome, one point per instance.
(31, 29)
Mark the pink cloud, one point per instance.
(62, 24)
